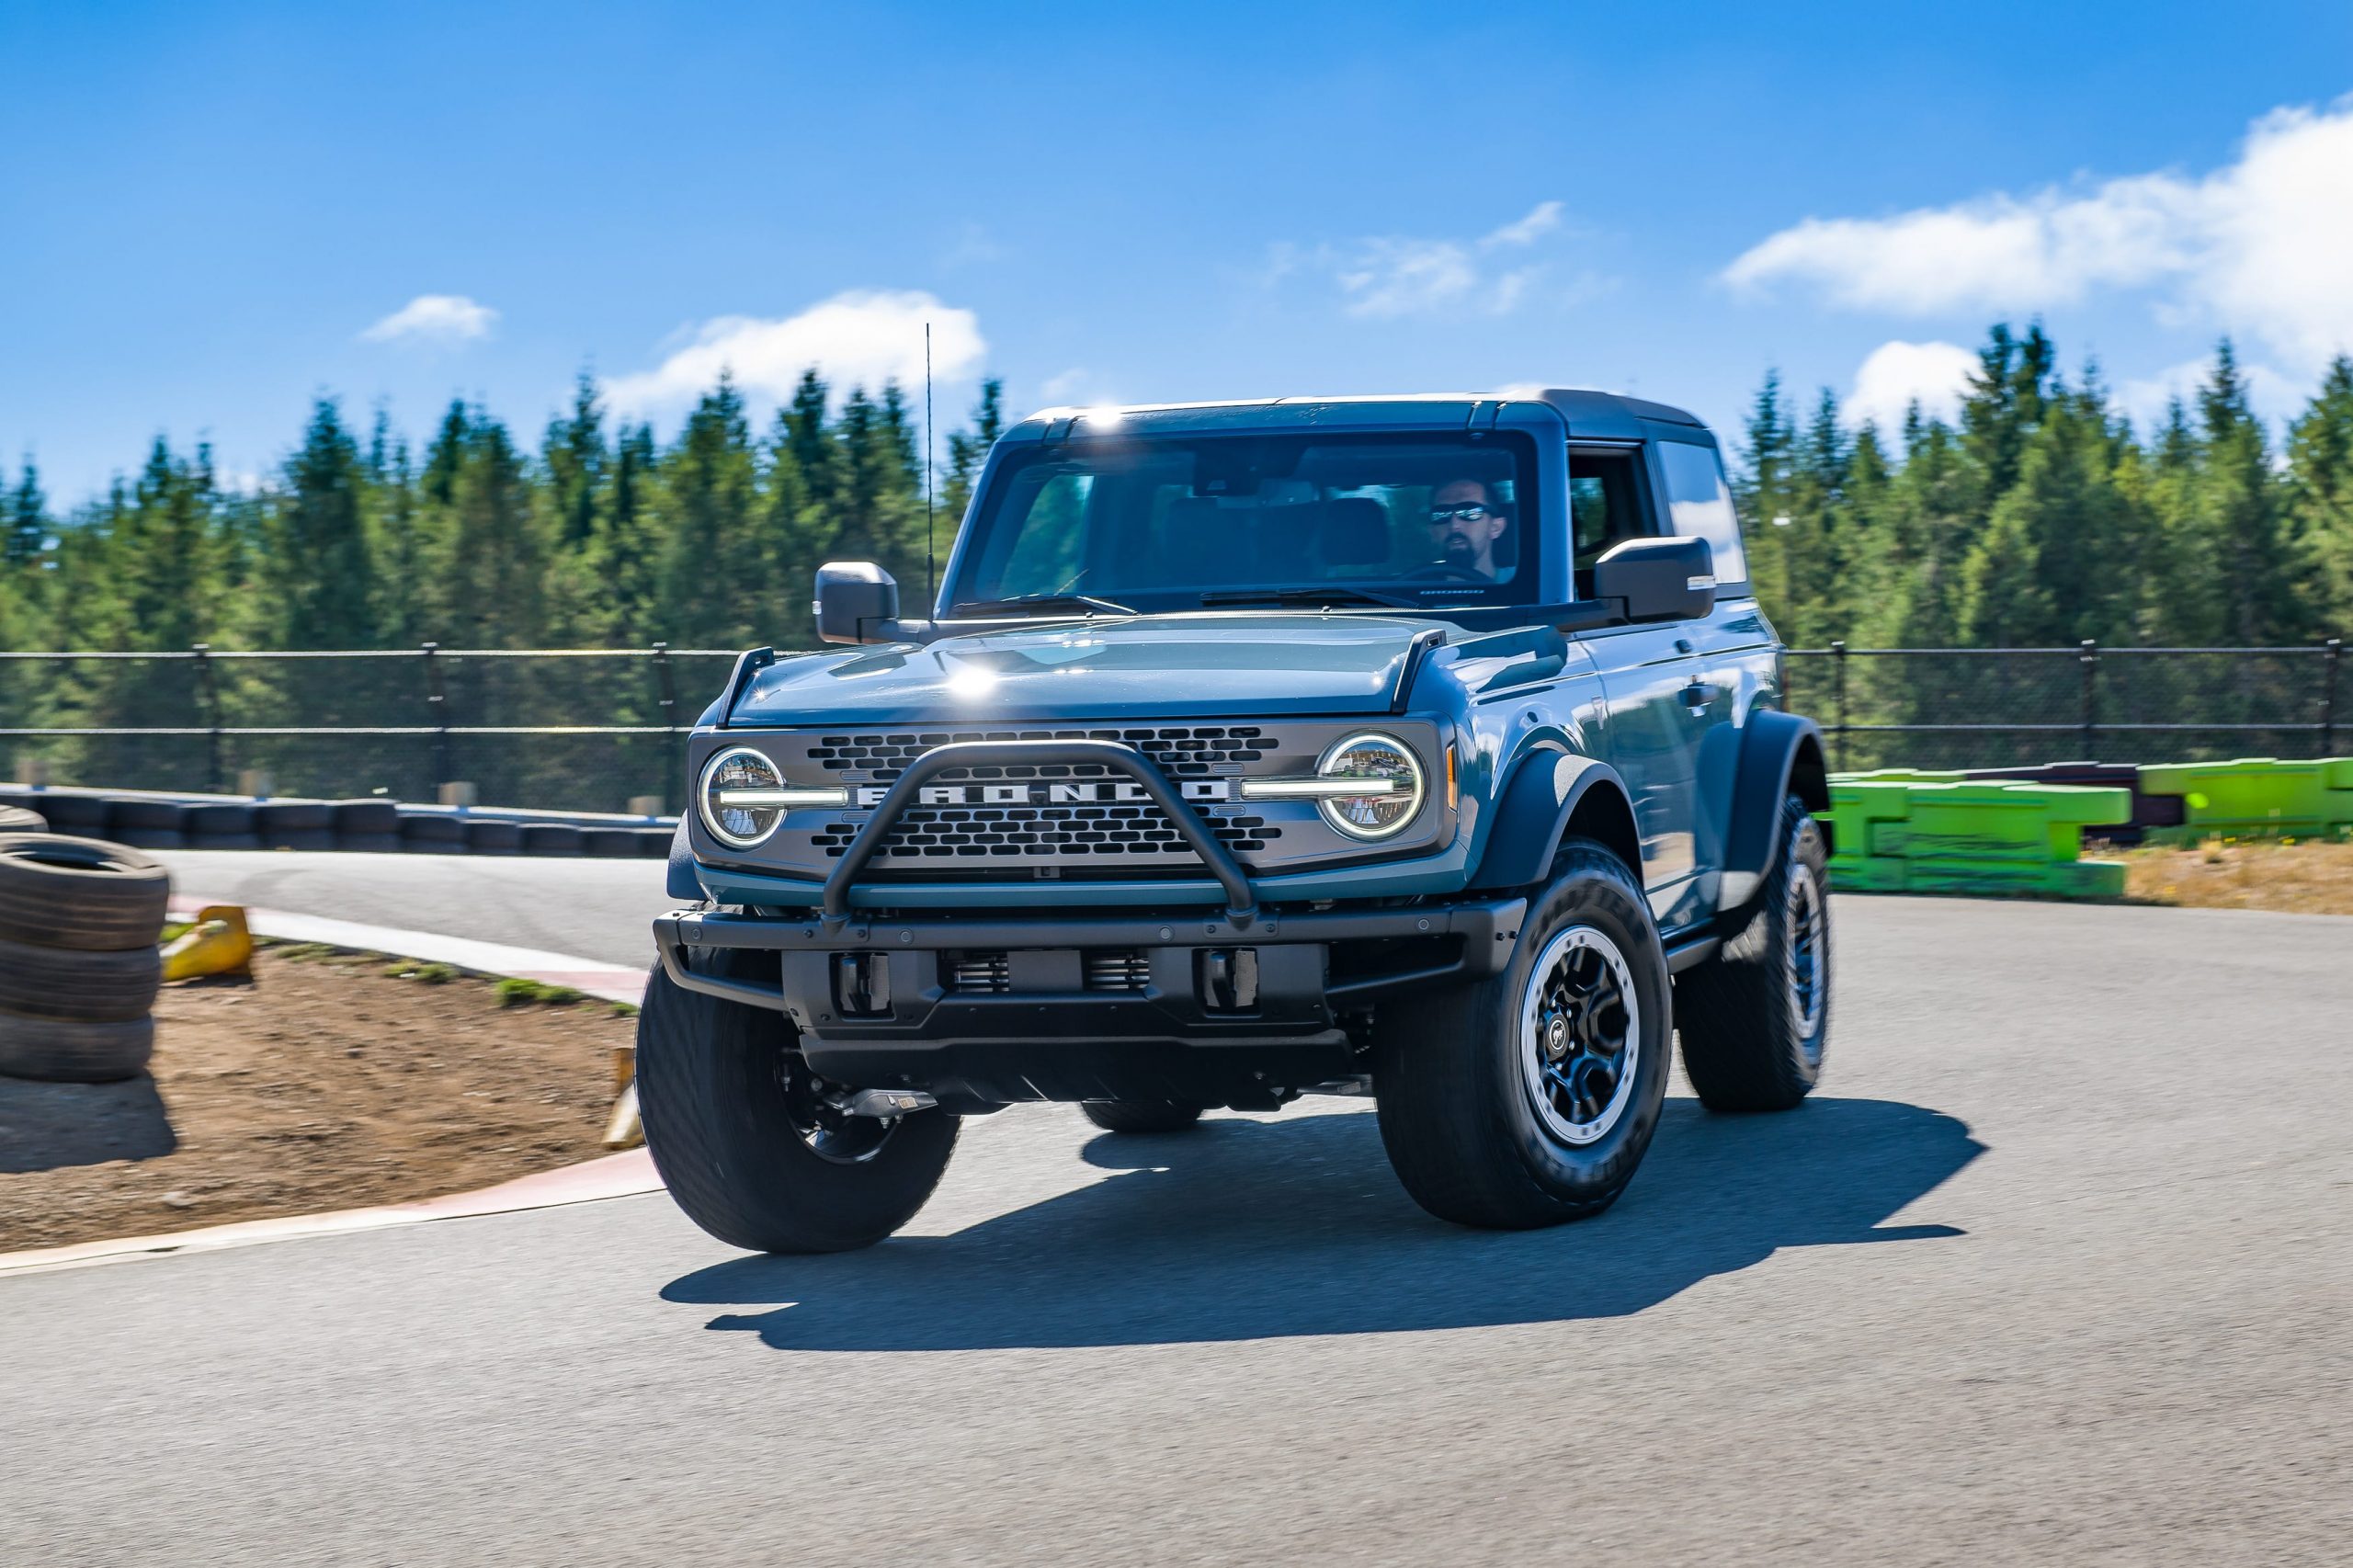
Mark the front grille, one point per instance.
(982, 974)
(1115, 969)
(1183, 751)
(1042, 832)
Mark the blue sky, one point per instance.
(210, 214)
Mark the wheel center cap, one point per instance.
(1556, 1037)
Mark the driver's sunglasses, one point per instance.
(1469, 512)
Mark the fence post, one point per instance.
(209, 694)
(1838, 703)
(2329, 661)
(437, 703)
(668, 680)
(2090, 657)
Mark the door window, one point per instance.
(1700, 505)
(1606, 505)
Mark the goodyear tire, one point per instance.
(1531, 1096)
(745, 1145)
(80, 894)
(68, 1051)
(1136, 1115)
(16, 819)
(78, 984)
(1755, 1018)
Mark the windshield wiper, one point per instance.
(1330, 593)
(1044, 601)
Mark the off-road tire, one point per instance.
(80, 892)
(1748, 1044)
(713, 1090)
(16, 818)
(70, 1051)
(70, 982)
(1141, 1115)
(1458, 1118)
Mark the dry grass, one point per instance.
(2307, 878)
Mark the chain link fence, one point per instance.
(1997, 707)
(592, 730)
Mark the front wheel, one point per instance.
(1755, 1018)
(746, 1137)
(1529, 1098)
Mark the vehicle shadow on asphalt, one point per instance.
(1245, 1230)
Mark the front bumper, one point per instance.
(981, 1010)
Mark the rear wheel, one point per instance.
(1755, 1018)
(1141, 1115)
(1529, 1098)
(748, 1140)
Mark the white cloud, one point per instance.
(434, 318)
(2259, 247)
(860, 338)
(1895, 375)
(1387, 276)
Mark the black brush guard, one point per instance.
(876, 1003)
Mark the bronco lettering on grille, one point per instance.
(1051, 792)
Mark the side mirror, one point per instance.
(855, 598)
(1658, 579)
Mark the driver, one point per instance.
(1465, 522)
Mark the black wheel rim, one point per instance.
(1809, 977)
(1580, 1035)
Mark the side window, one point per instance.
(1606, 505)
(1701, 505)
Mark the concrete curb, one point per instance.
(612, 1175)
(606, 982)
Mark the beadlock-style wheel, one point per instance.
(1580, 1029)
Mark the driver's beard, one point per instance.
(1460, 551)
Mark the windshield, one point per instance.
(1424, 520)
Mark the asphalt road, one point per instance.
(2058, 1268)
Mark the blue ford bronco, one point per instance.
(1425, 747)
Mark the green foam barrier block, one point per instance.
(2258, 796)
(1990, 838)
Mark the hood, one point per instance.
(1149, 666)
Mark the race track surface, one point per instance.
(2058, 1268)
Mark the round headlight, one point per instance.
(734, 774)
(1392, 782)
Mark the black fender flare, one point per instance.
(1780, 754)
(1533, 812)
(682, 883)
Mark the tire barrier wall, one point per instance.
(1930, 835)
(79, 964)
(163, 822)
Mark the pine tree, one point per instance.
(715, 581)
(2263, 576)
(2320, 498)
(317, 569)
(27, 520)
(574, 457)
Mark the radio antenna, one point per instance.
(930, 560)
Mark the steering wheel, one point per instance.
(1447, 572)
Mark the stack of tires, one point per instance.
(79, 964)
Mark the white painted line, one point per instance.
(606, 982)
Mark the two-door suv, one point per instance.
(1428, 747)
